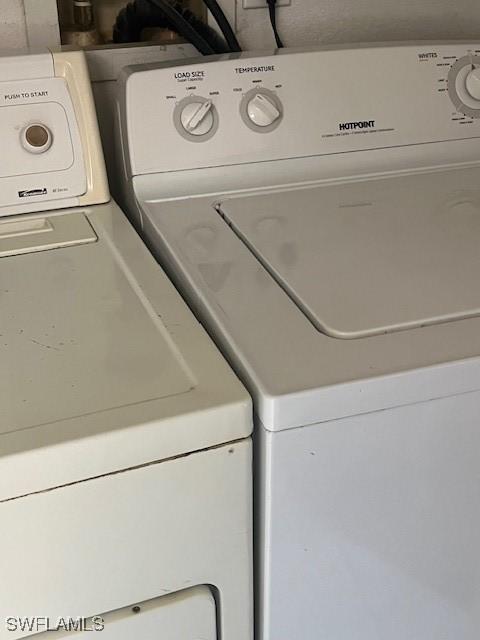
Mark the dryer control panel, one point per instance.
(52, 155)
(238, 109)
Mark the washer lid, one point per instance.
(370, 257)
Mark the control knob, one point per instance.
(197, 118)
(262, 110)
(472, 83)
(36, 138)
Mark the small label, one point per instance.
(427, 55)
(359, 128)
(265, 69)
(189, 76)
(361, 124)
(24, 95)
(32, 192)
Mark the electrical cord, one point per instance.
(139, 14)
(183, 27)
(272, 8)
(223, 23)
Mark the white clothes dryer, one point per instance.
(320, 210)
(125, 450)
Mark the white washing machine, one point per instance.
(125, 450)
(320, 210)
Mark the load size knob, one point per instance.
(197, 118)
(472, 82)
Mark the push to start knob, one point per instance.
(197, 118)
(472, 83)
(36, 138)
(262, 111)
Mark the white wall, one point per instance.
(305, 22)
(13, 31)
(28, 23)
(308, 22)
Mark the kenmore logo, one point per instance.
(362, 124)
(32, 192)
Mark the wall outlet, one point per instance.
(262, 4)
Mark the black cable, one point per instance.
(182, 27)
(140, 14)
(272, 6)
(224, 25)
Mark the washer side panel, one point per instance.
(374, 526)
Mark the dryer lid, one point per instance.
(103, 367)
(371, 257)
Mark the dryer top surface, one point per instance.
(103, 367)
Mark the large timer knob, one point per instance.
(262, 110)
(197, 118)
(472, 83)
(464, 85)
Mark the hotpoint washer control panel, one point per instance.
(241, 109)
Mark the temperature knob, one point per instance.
(262, 111)
(197, 118)
(36, 138)
(472, 83)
